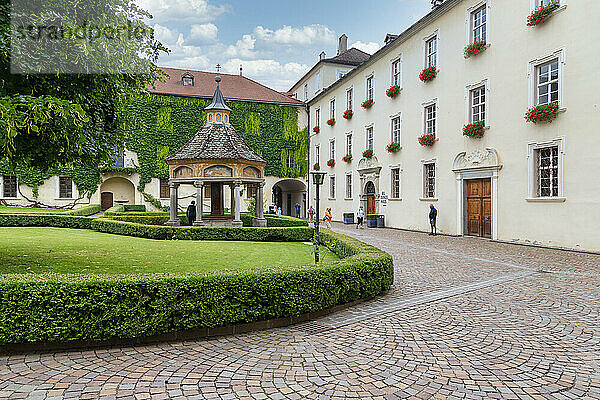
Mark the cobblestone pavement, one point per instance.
(466, 318)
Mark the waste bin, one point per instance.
(381, 221)
(371, 221)
(348, 218)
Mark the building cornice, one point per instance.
(432, 16)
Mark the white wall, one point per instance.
(513, 45)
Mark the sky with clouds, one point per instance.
(276, 41)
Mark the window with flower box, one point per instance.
(395, 184)
(430, 119)
(478, 104)
(396, 72)
(332, 187)
(332, 109)
(479, 24)
(429, 180)
(349, 143)
(547, 82)
(9, 186)
(396, 123)
(349, 99)
(369, 85)
(431, 52)
(348, 186)
(317, 154)
(332, 149)
(369, 138)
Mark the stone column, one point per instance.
(173, 219)
(199, 203)
(231, 209)
(237, 221)
(260, 220)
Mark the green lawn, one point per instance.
(28, 210)
(38, 250)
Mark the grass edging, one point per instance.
(59, 308)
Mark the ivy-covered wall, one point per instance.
(163, 123)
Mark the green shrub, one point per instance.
(115, 210)
(273, 221)
(50, 220)
(85, 211)
(348, 215)
(134, 208)
(371, 217)
(62, 308)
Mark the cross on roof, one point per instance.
(218, 67)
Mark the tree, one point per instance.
(65, 68)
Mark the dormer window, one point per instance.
(187, 79)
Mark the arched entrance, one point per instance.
(289, 192)
(116, 190)
(370, 193)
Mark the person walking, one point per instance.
(311, 213)
(297, 207)
(327, 218)
(191, 213)
(360, 214)
(278, 210)
(432, 220)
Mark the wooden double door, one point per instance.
(479, 207)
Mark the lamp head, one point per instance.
(318, 177)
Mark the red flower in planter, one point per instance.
(367, 103)
(331, 163)
(316, 129)
(393, 91)
(428, 74)
(541, 14)
(331, 122)
(347, 158)
(476, 129)
(316, 167)
(393, 147)
(368, 153)
(348, 114)
(428, 139)
(542, 113)
(475, 48)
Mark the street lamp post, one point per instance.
(318, 178)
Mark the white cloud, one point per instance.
(243, 48)
(370, 47)
(309, 35)
(194, 63)
(202, 34)
(166, 36)
(276, 75)
(187, 11)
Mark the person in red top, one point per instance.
(327, 218)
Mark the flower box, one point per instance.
(347, 158)
(331, 122)
(368, 153)
(331, 163)
(428, 139)
(367, 104)
(541, 14)
(428, 74)
(316, 167)
(476, 129)
(348, 114)
(393, 91)
(316, 129)
(371, 220)
(542, 113)
(475, 48)
(393, 147)
(348, 218)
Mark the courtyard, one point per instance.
(465, 318)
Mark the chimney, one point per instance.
(321, 56)
(241, 70)
(436, 3)
(343, 44)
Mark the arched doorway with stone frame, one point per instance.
(116, 190)
(369, 171)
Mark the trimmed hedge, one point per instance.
(51, 220)
(115, 210)
(62, 308)
(273, 221)
(134, 208)
(85, 211)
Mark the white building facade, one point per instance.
(521, 181)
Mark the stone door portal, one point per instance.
(106, 200)
(370, 191)
(216, 199)
(479, 207)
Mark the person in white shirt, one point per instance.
(359, 216)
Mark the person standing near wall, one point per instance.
(432, 220)
(297, 207)
(191, 213)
